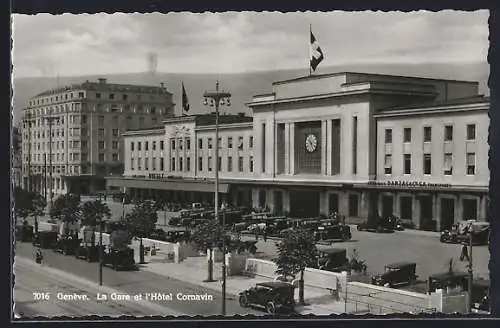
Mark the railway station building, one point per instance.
(352, 142)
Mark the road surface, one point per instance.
(70, 272)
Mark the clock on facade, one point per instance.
(311, 143)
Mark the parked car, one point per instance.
(175, 236)
(396, 274)
(332, 259)
(45, 239)
(273, 296)
(276, 225)
(447, 280)
(397, 223)
(88, 252)
(66, 244)
(24, 233)
(459, 233)
(378, 224)
(121, 258)
(331, 233)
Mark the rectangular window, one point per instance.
(146, 163)
(355, 145)
(209, 143)
(115, 157)
(240, 143)
(209, 163)
(98, 95)
(181, 144)
(229, 163)
(101, 144)
(161, 145)
(101, 119)
(172, 168)
(139, 144)
(101, 157)
(427, 134)
(263, 148)
(448, 133)
(251, 164)
(153, 163)
(115, 132)
(172, 142)
(407, 164)
(229, 142)
(162, 164)
(388, 136)
(250, 142)
(471, 132)
(188, 143)
(448, 164)
(132, 146)
(407, 135)
(471, 163)
(200, 163)
(427, 164)
(240, 164)
(100, 133)
(219, 144)
(188, 164)
(153, 145)
(353, 205)
(219, 164)
(388, 164)
(132, 164)
(139, 164)
(200, 143)
(115, 145)
(181, 164)
(146, 145)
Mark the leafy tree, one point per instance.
(141, 222)
(29, 203)
(356, 264)
(66, 208)
(93, 214)
(296, 252)
(39, 203)
(210, 235)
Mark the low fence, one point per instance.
(384, 300)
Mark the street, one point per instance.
(32, 279)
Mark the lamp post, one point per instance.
(218, 98)
(470, 274)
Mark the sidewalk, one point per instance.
(320, 301)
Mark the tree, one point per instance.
(29, 203)
(39, 203)
(209, 236)
(296, 252)
(93, 213)
(66, 208)
(141, 222)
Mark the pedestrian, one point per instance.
(265, 233)
(38, 256)
(464, 254)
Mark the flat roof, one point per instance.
(431, 104)
(320, 76)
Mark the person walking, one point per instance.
(265, 233)
(38, 256)
(464, 255)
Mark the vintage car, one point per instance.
(396, 274)
(447, 280)
(378, 224)
(276, 225)
(332, 233)
(273, 296)
(45, 239)
(175, 236)
(241, 226)
(88, 252)
(121, 258)
(66, 244)
(332, 259)
(459, 233)
(397, 223)
(24, 233)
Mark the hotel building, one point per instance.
(352, 142)
(79, 127)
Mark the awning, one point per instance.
(166, 184)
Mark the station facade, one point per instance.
(351, 142)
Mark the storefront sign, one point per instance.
(399, 183)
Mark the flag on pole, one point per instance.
(185, 101)
(316, 55)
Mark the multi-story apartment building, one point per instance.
(72, 134)
(351, 142)
(16, 157)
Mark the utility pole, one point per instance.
(100, 251)
(45, 176)
(470, 274)
(219, 98)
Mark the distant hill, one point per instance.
(244, 85)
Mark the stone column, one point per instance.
(438, 212)
(323, 202)
(483, 210)
(255, 197)
(459, 208)
(416, 211)
(329, 147)
(286, 200)
(379, 203)
(396, 209)
(435, 214)
(292, 148)
(364, 205)
(287, 148)
(323, 146)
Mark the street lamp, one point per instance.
(219, 98)
(470, 274)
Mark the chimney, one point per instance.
(102, 80)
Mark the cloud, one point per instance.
(235, 42)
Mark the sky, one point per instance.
(72, 45)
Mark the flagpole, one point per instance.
(310, 53)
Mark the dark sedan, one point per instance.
(273, 296)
